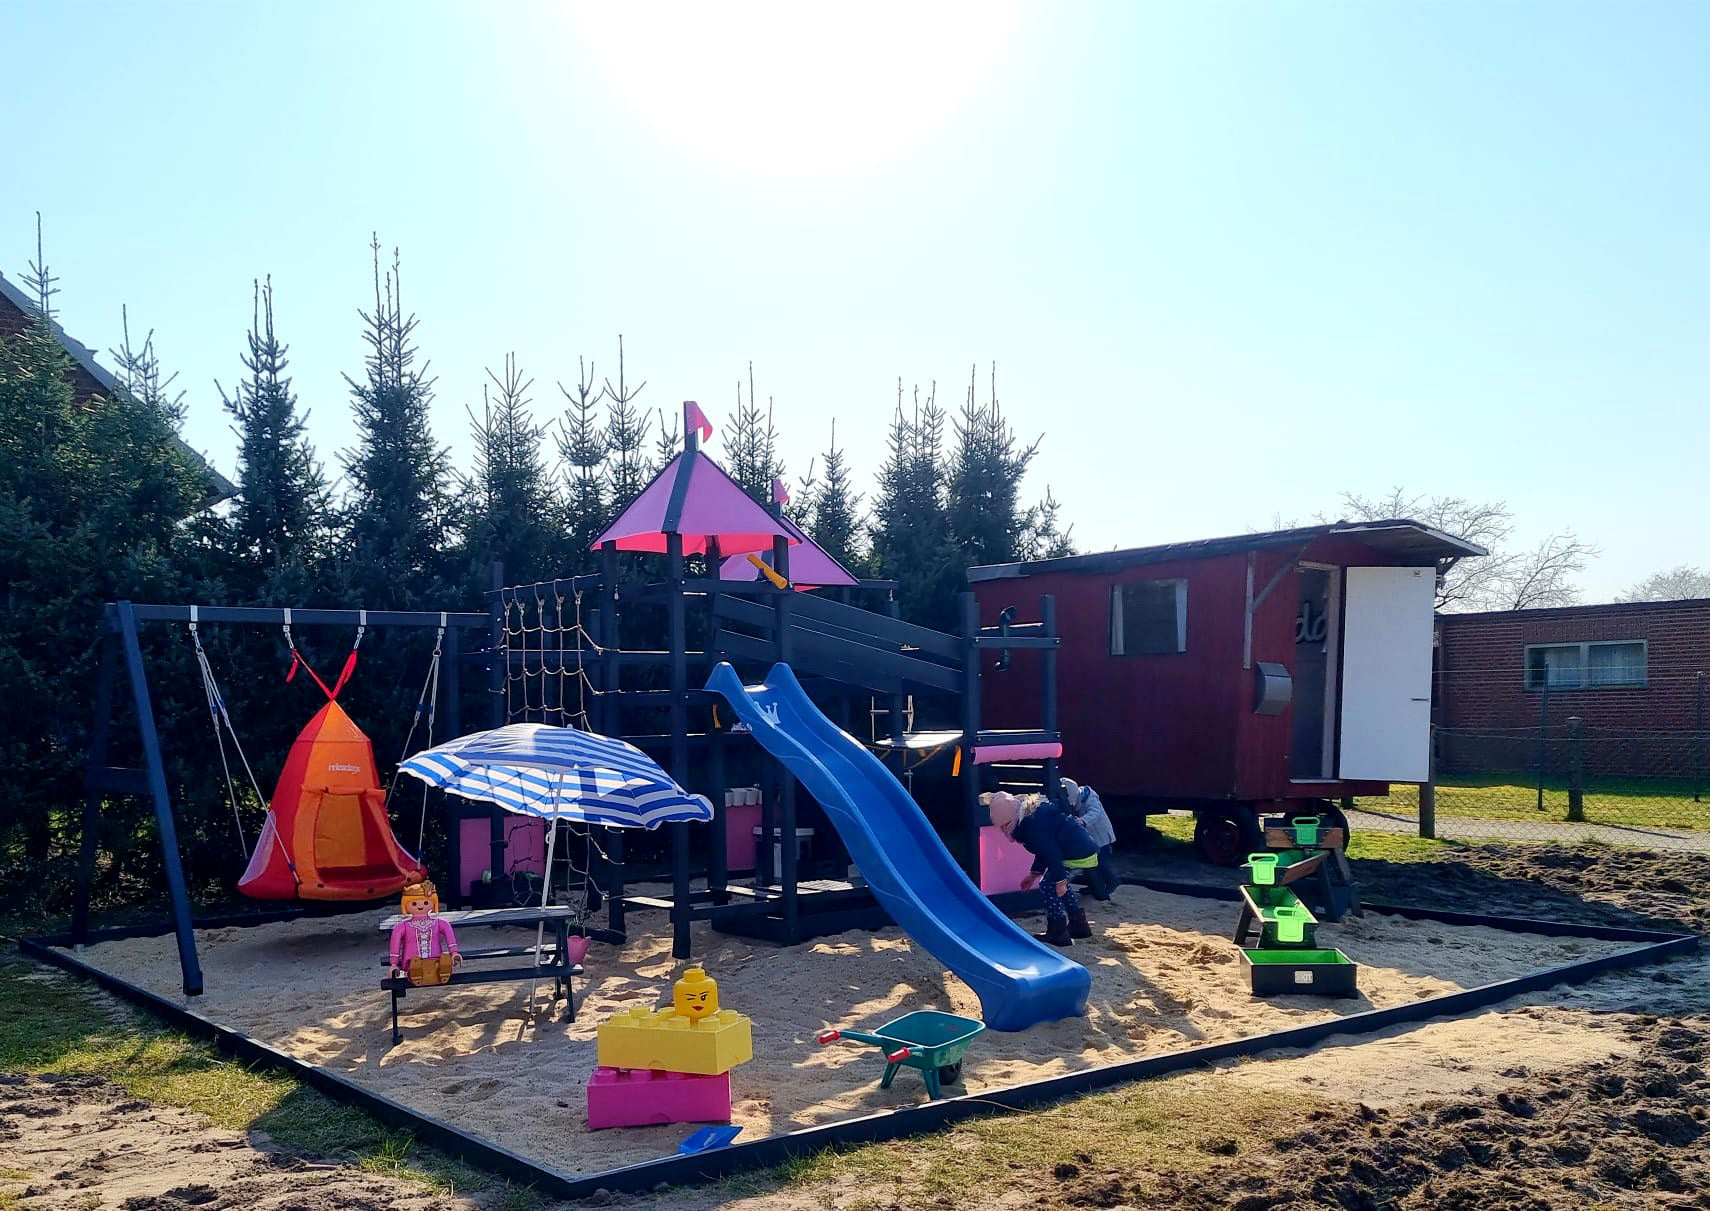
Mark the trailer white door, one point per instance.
(1388, 616)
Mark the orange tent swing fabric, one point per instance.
(327, 836)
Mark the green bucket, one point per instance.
(1264, 868)
(1291, 922)
(1306, 830)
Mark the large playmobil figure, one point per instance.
(423, 946)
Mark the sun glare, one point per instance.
(796, 90)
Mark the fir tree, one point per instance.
(279, 522)
(626, 439)
(983, 494)
(1043, 536)
(139, 373)
(398, 472)
(751, 445)
(513, 515)
(835, 509)
(582, 446)
(912, 542)
(41, 279)
(667, 445)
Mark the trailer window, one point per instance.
(1148, 618)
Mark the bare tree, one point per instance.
(1505, 579)
(1676, 584)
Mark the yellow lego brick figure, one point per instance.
(696, 994)
(693, 1035)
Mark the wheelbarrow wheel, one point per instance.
(949, 1074)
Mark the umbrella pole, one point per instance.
(545, 897)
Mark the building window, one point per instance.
(1148, 618)
(1586, 666)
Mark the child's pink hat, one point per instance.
(1004, 809)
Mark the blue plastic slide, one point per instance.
(1020, 981)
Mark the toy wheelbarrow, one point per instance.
(932, 1042)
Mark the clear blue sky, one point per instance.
(1230, 259)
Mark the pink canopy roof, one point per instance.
(811, 565)
(693, 497)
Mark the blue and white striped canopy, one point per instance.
(537, 769)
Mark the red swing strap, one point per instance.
(297, 661)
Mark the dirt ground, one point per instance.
(1594, 1096)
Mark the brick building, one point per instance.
(1632, 673)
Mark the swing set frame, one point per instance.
(121, 655)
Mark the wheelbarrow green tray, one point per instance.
(932, 1043)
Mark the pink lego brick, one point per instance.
(639, 1097)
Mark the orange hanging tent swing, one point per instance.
(327, 835)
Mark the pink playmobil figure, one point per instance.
(423, 946)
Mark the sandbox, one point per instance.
(1165, 977)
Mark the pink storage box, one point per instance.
(525, 849)
(740, 821)
(619, 1097)
(1003, 863)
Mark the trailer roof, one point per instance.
(1397, 536)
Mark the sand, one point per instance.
(1165, 976)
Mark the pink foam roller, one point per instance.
(985, 754)
(619, 1097)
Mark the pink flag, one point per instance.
(780, 493)
(696, 420)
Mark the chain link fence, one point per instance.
(1562, 781)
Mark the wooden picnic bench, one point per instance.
(556, 968)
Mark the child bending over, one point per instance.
(1058, 844)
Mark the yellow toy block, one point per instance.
(669, 1041)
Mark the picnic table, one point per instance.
(557, 968)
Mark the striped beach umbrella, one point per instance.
(559, 773)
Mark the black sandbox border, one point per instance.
(1650, 946)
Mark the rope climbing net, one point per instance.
(544, 645)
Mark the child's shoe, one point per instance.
(1079, 926)
(1056, 932)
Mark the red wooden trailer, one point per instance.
(1236, 676)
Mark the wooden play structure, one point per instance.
(560, 652)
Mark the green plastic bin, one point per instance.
(1313, 973)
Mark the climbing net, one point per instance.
(544, 645)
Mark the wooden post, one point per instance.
(1576, 770)
(1543, 736)
(611, 717)
(681, 901)
(788, 875)
(971, 815)
(1428, 791)
(718, 858)
(1048, 692)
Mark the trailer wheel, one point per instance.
(1224, 836)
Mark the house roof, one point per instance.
(1398, 536)
(693, 496)
(96, 379)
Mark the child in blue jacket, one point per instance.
(1084, 804)
(1058, 844)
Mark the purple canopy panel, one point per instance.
(693, 496)
(811, 565)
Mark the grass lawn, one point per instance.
(53, 1025)
(1653, 802)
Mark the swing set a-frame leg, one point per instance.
(155, 774)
